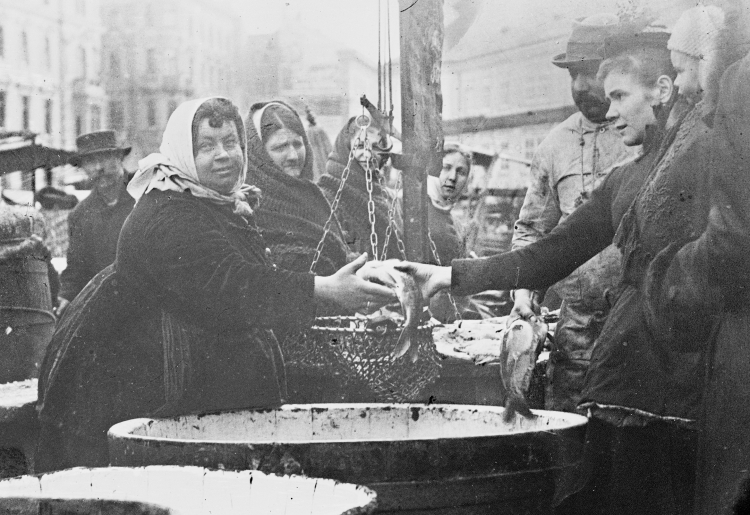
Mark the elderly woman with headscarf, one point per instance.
(293, 211)
(182, 321)
(350, 151)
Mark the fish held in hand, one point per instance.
(518, 355)
(410, 297)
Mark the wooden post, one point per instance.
(421, 31)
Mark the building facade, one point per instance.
(501, 91)
(50, 81)
(159, 53)
(305, 68)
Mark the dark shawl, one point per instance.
(710, 276)
(293, 211)
(352, 211)
(181, 323)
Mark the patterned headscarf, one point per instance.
(173, 167)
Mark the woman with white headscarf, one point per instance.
(182, 321)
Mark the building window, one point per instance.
(25, 112)
(114, 65)
(504, 149)
(116, 115)
(151, 113)
(530, 147)
(79, 125)
(96, 118)
(47, 53)
(25, 47)
(2, 42)
(2, 109)
(171, 107)
(151, 60)
(48, 116)
(82, 62)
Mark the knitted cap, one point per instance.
(697, 31)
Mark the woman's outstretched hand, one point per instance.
(430, 278)
(354, 291)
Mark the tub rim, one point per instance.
(123, 430)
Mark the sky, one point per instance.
(352, 22)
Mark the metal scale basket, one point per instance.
(356, 352)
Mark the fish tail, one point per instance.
(403, 343)
(413, 347)
(516, 403)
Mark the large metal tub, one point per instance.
(449, 458)
(27, 506)
(187, 491)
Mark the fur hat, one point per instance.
(697, 31)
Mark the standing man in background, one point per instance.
(571, 161)
(94, 225)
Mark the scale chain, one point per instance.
(371, 210)
(334, 207)
(433, 247)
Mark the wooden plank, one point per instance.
(421, 30)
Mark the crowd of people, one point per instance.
(184, 281)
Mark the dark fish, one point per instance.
(518, 355)
(410, 297)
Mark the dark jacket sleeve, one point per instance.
(582, 235)
(77, 272)
(192, 262)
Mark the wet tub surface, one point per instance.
(342, 422)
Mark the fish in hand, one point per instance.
(518, 355)
(410, 297)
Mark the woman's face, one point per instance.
(453, 176)
(688, 79)
(287, 151)
(631, 106)
(218, 156)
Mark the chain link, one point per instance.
(334, 207)
(433, 247)
(371, 207)
(392, 225)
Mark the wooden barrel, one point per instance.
(26, 319)
(418, 458)
(194, 491)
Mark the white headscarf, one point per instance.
(173, 167)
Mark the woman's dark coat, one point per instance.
(710, 279)
(649, 205)
(179, 323)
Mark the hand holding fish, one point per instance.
(430, 278)
(409, 296)
(348, 289)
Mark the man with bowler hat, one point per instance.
(94, 225)
(571, 161)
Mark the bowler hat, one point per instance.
(586, 42)
(94, 143)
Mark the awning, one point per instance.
(20, 153)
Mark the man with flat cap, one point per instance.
(569, 163)
(94, 225)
